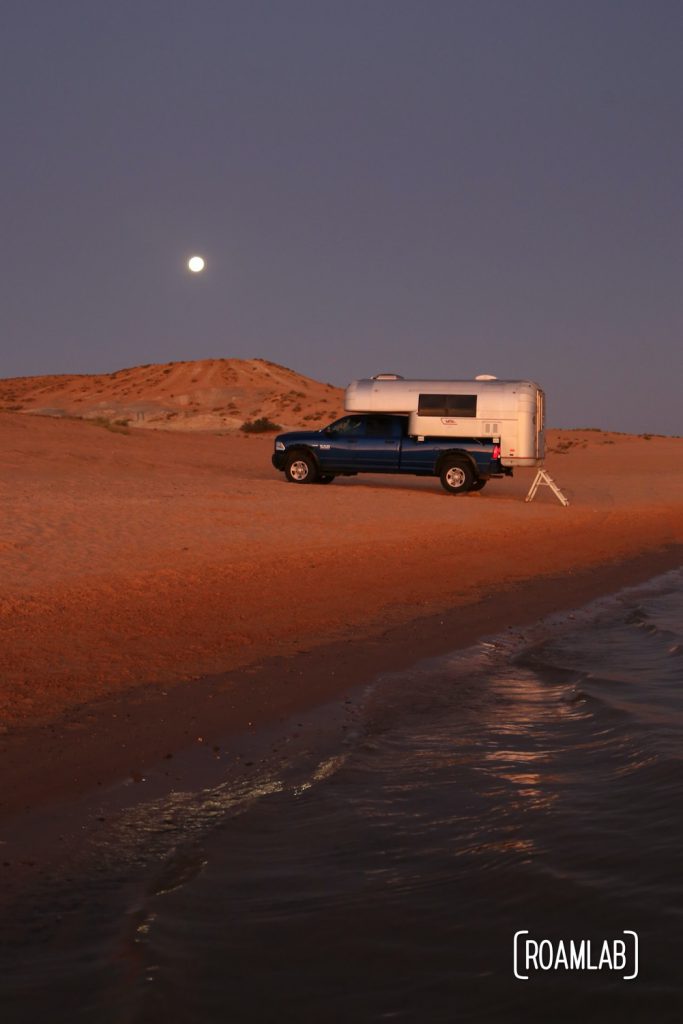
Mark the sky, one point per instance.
(436, 189)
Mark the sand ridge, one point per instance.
(203, 394)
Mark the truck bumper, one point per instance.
(278, 460)
(497, 469)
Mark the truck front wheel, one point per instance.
(456, 476)
(300, 468)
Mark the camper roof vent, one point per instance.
(485, 376)
(388, 376)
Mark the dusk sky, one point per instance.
(436, 189)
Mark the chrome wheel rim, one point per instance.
(298, 470)
(455, 476)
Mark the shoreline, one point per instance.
(99, 743)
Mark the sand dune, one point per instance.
(206, 394)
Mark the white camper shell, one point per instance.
(509, 411)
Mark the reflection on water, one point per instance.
(533, 781)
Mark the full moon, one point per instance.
(195, 264)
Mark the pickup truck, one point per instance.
(376, 443)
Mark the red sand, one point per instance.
(146, 559)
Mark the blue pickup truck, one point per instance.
(376, 443)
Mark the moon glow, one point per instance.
(195, 264)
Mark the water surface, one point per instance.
(533, 781)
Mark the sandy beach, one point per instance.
(160, 587)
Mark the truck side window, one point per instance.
(349, 425)
(378, 426)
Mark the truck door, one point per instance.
(378, 448)
(339, 447)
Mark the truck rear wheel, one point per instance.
(300, 468)
(478, 485)
(457, 476)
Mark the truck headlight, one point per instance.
(279, 446)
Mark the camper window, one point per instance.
(447, 405)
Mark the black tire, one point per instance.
(300, 468)
(478, 485)
(457, 476)
(325, 478)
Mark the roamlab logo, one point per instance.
(618, 955)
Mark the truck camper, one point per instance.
(466, 432)
(509, 412)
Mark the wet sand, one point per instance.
(163, 590)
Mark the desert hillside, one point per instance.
(205, 394)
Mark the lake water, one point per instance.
(533, 782)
